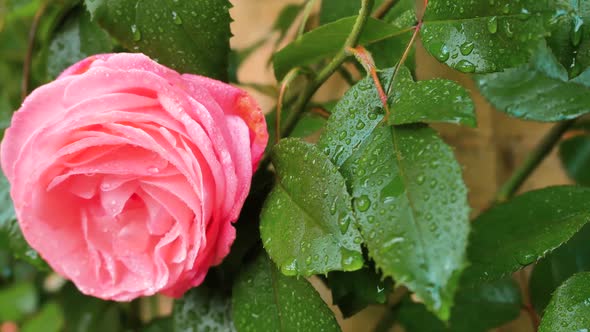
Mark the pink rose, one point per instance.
(126, 176)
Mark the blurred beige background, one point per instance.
(488, 153)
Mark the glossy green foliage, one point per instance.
(354, 291)
(539, 91)
(551, 271)
(48, 319)
(18, 301)
(475, 36)
(189, 36)
(76, 39)
(203, 309)
(159, 325)
(285, 19)
(307, 223)
(517, 233)
(10, 233)
(570, 36)
(388, 52)
(476, 309)
(88, 314)
(436, 100)
(408, 193)
(569, 309)
(14, 23)
(308, 125)
(264, 300)
(575, 157)
(327, 40)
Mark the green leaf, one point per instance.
(569, 309)
(388, 52)
(203, 309)
(285, 19)
(517, 233)
(189, 36)
(575, 157)
(264, 300)
(354, 291)
(558, 266)
(10, 230)
(75, 40)
(247, 231)
(307, 224)
(483, 36)
(17, 301)
(436, 100)
(88, 314)
(414, 317)
(308, 124)
(539, 91)
(409, 196)
(570, 37)
(159, 325)
(327, 40)
(476, 309)
(49, 319)
(485, 306)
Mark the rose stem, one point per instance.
(534, 159)
(31, 44)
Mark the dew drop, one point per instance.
(343, 134)
(344, 223)
(360, 125)
(136, 33)
(443, 53)
(467, 48)
(577, 29)
(351, 260)
(493, 25)
(362, 203)
(290, 269)
(176, 19)
(465, 66)
(420, 179)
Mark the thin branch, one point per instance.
(347, 76)
(389, 318)
(404, 57)
(321, 112)
(533, 161)
(30, 46)
(384, 8)
(306, 13)
(534, 317)
(311, 88)
(289, 78)
(366, 60)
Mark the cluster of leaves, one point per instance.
(376, 208)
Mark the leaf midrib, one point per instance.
(461, 20)
(399, 158)
(275, 288)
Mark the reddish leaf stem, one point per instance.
(404, 56)
(366, 60)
